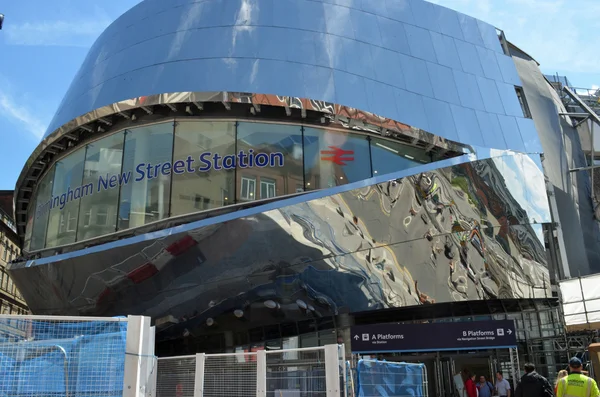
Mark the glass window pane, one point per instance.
(66, 194)
(42, 210)
(389, 156)
(274, 164)
(208, 150)
(102, 171)
(247, 188)
(29, 226)
(334, 158)
(147, 167)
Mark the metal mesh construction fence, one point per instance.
(228, 375)
(306, 372)
(175, 376)
(296, 373)
(42, 357)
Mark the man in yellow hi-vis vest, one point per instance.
(577, 384)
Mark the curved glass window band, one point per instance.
(142, 175)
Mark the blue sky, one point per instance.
(44, 42)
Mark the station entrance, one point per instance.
(443, 367)
(447, 351)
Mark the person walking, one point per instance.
(533, 384)
(485, 388)
(577, 384)
(561, 374)
(470, 387)
(502, 385)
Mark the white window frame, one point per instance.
(268, 183)
(71, 221)
(87, 217)
(224, 194)
(100, 212)
(249, 194)
(201, 203)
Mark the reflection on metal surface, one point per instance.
(411, 71)
(152, 172)
(90, 126)
(453, 234)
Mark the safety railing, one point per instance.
(303, 372)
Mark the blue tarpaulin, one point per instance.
(389, 379)
(65, 359)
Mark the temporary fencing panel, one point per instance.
(389, 379)
(307, 372)
(63, 356)
(175, 377)
(220, 369)
(296, 373)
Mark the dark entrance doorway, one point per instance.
(447, 350)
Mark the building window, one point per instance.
(523, 102)
(4, 281)
(87, 217)
(388, 156)
(102, 159)
(205, 151)
(225, 196)
(277, 155)
(68, 177)
(4, 252)
(201, 203)
(267, 188)
(333, 158)
(72, 224)
(248, 188)
(41, 211)
(102, 216)
(146, 197)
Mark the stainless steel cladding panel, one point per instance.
(466, 231)
(411, 61)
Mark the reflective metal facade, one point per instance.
(469, 228)
(410, 61)
(468, 231)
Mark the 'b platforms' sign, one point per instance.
(337, 155)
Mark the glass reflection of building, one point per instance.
(276, 189)
(130, 186)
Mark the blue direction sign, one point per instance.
(472, 335)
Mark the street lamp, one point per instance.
(1, 20)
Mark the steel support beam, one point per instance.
(582, 104)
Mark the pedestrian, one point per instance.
(561, 374)
(577, 384)
(485, 388)
(533, 384)
(502, 385)
(470, 387)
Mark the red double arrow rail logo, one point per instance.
(337, 156)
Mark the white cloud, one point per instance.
(12, 109)
(75, 32)
(17, 107)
